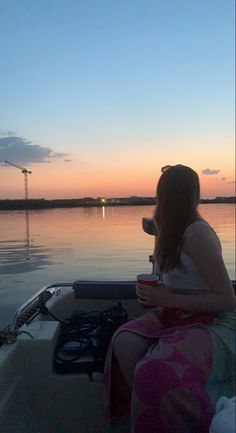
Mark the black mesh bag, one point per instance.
(84, 339)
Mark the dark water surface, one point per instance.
(57, 245)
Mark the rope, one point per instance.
(8, 336)
(27, 314)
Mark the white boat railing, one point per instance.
(38, 296)
(82, 289)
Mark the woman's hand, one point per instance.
(149, 296)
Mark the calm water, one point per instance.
(49, 246)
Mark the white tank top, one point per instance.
(188, 278)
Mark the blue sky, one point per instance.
(116, 82)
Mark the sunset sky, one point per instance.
(97, 95)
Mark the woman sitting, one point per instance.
(168, 367)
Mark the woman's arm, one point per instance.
(202, 245)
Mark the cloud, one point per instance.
(23, 151)
(67, 160)
(210, 171)
(223, 178)
(231, 181)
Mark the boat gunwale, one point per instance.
(55, 289)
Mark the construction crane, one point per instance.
(25, 173)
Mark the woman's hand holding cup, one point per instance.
(146, 290)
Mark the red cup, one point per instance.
(147, 279)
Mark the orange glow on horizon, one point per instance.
(71, 181)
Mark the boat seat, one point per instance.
(105, 289)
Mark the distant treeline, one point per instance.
(92, 202)
(77, 202)
(219, 200)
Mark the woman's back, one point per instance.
(187, 277)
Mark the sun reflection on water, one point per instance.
(41, 247)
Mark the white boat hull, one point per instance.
(33, 397)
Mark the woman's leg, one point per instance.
(129, 348)
(169, 391)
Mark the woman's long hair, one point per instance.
(178, 194)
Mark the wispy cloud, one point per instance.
(223, 178)
(210, 171)
(23, 151)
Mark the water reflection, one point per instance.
(27, 229)
(19, 256)
(41, 247)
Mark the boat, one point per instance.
(34, 397)
(45, 387)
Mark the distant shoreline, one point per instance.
(8, 204)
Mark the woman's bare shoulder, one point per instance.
(200, 235)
